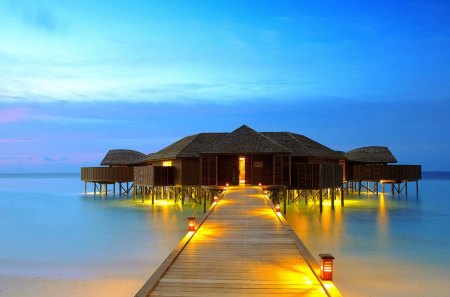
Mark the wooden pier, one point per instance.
(241, 248)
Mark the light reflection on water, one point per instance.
(50, 229)
(389, 231)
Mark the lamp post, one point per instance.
(277, 207)
(191, 223)
(326, 266)
(216, 199)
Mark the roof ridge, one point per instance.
(189, 143)
(295, 138)
(273, 141)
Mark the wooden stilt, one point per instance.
(417, 186)
(342, 196)
(152, 193)
(332, 198)
(320, 200)
(406, 187)
(182, 195)
(85, 187)
(95, 188)
(393, 186)
(359, 188)
(284, 204)
(204, 202)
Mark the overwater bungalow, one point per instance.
(296, 164)
(367, 167)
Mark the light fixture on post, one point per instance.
(259, 184)
(326, 266)
(226, 185)
(277, 207)
(191, 223)
(216, 199)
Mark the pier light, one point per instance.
(326, 266)
(265, 192)
(259, 184)
(191, 223)
(277, 207)
(227, 184)
(216, 199)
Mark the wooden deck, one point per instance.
(241, 249)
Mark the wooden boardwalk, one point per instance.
(241, 249)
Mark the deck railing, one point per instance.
(154, 175)
(107, 174)
(316, 176)
(386, 172)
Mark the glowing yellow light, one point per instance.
(216, 199)
(166, 163)
(191, 223)
(277, 207)
(259, 184)
(326, 266)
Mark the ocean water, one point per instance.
(384, 245)
(50, 228)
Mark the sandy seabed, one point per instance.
(379, 278)
(40, 287)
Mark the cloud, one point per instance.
(14, 114)
(40, 18)
(14, 140)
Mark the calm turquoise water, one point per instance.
(402, 241)
(50, 228)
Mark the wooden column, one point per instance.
(153, 194)
(417, 186)
(320, 200)
(332, 197)
(342, 196)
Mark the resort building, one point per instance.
(274, 160)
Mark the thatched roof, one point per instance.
(123, 157)
(187, 147)
(371, 154)
(245, 140)
(302, 146)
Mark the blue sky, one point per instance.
(80, 77)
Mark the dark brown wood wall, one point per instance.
(107, 174)
(371, 172)
(264, 174)
(316, 176)
(190, 172)
(281, 170)
(228, 169)
(209, 170)
(154, 175)
(143, 175)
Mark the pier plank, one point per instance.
(241, 249)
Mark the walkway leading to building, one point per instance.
(241, 249)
